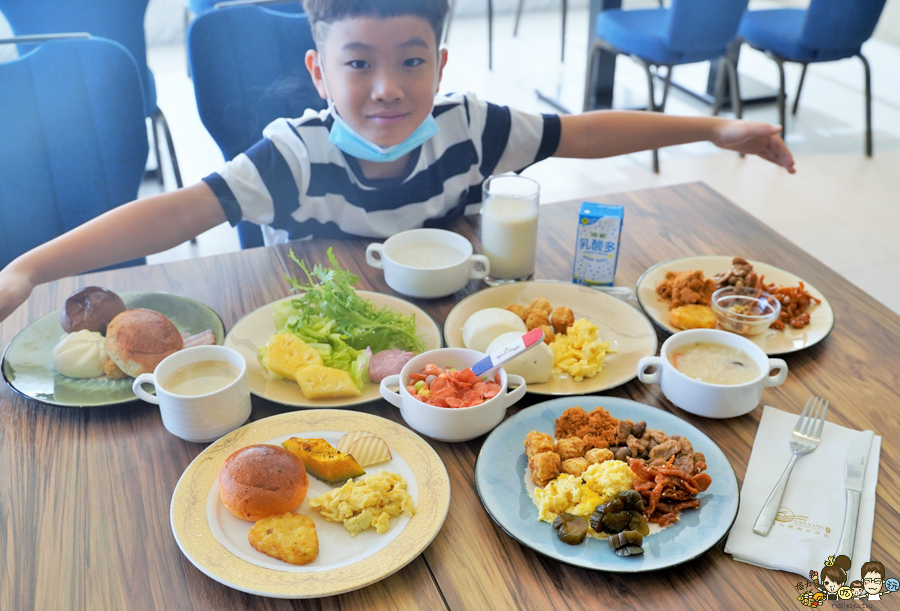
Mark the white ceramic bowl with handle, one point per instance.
(427, 263)
(448, 423)
(705, 399)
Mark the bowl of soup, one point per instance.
(712, 373)
(427, 263)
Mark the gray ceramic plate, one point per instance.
(500, 479)
(28, 369)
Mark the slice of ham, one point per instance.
(387, 363)
(204, 338)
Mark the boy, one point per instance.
(386, 156)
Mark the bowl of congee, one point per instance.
(712, 373)
(427, 263)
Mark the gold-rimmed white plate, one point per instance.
(255, 329)
(630, 334)
(216, 542)
(821, 316)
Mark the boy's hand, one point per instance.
(754, 138)
(14, 290)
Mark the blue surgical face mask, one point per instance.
(345, 138)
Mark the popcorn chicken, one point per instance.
(536, 442)
(544, 467)
(595, 456)
(574, 466)
(572, 447)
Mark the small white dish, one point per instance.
(427, 263)
(447, 423)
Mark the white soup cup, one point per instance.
(199, 418)
(705, 399)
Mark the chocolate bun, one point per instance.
(262, 480)
(90, 308)
(137, 340)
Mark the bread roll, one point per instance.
(262, 480)
(91, 308)
(137, 340)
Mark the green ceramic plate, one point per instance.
(28, 369)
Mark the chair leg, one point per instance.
(799, 89)
(160, 119)
(490, 34)
(720, 87)
(737, 105)
(667, 84)
(589, 73)
(562, 55)
(868, 105)
(449, 19)
(518, 16)
(651, 104)
(781, 94)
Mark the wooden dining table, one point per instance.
(85, 493)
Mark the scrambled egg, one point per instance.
(366, 503)
(579, 353)
(581, 495)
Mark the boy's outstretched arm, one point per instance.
(607, 133)
(138, 229)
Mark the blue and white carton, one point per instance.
(597, 244)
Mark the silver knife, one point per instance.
(857, 456)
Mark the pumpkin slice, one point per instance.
(321, 382)
(288, 354)
(323, 461)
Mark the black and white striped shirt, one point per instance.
(299, 184)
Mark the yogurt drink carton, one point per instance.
(597, 244)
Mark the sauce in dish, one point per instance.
(427, 255)
(714, 363)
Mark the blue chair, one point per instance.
(687, 32)
(249, 69)
(827, 30)
(119, 20)
(73, 138)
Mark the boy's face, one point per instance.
(872, 582)
(381, 73)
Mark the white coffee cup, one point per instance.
(427, 263)
(705, 399)
(205, 417)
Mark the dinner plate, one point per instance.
(500, 480)
(821, 317)
(627, 330)
(28, 365)
(255, 329)
(216, 542)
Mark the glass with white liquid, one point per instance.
(509, 224)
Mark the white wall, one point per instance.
(889, 26)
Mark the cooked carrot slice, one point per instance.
(431, 369)
(454, 402)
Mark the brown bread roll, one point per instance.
(90, 308)
(262, 480)
(137, 340)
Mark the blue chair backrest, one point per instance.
(198, 7)
(73, 139)
(696, 25)
(248, 68)
(840, 24)
(119, 20)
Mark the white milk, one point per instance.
(427, 255)
(509, 236)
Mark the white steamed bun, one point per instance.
(81, 354)
(535, 365)
(484, 325)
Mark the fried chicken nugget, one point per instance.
(562, 318)
(574, 466)
(540, 304)
(290, 537)
(544, 468)
(693, 316)
(595, 456)
(518, 310)
(536, 318)
(536, 442)
(549, 335)
(571, 447)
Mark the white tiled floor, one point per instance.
(840, 206)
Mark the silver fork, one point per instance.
(804, 439)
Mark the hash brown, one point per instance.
(290, 537)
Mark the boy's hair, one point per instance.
(322, 13)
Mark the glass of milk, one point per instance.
(509, 224)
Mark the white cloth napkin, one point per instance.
(808, 528)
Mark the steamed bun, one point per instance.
(80, 355)
(535, 366)
(483, 326)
